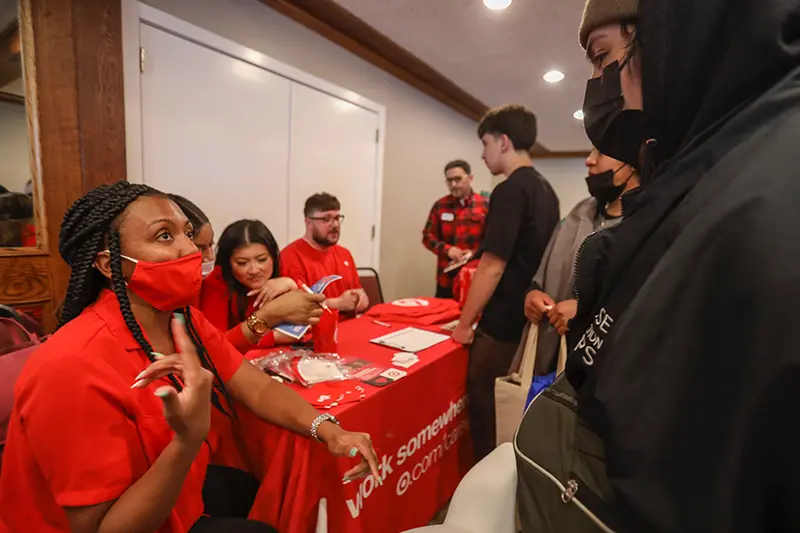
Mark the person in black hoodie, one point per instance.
(683, 351)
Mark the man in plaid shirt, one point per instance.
(455, 224)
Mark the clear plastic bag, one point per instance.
(278, 364)
(304, 367)
(318, 368)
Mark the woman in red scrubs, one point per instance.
(246, 277)
(108, 434)
(203, 232)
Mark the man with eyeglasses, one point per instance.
(317, 254)
(455, 224)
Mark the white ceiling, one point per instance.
(497, 56)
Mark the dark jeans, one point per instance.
(208, 524)
(444, 292)
(489, 359)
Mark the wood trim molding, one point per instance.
(338, 25)
(72, 56)
(12, 98)
(579, 154)
(98, 54)
(81, 111)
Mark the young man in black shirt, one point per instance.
(523, 212)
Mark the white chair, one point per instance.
(322, 516)
(485, 500)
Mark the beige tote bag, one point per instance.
(510, 392)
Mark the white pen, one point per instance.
(309, 291)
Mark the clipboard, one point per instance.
(410, 339)
(455, 265)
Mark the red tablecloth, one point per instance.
(419, 429)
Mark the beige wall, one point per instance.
(567, 176)
(421, 134)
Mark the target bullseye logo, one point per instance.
(411, 302)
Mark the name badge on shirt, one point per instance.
(448, 217)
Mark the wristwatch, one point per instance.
(324, 417)
(256, 325)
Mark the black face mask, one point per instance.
(615, 131)
(602, 187)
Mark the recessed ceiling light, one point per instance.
(578, 114)
(554, 76)
(497, 5)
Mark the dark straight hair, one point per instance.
(238, 234)
(195, 215)
(515, 121)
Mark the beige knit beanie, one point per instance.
(598, 13)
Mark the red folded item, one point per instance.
(463, 281)
(421, 311)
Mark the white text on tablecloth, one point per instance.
(427, 435)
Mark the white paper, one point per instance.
(411, 339)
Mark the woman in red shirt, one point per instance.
(108, 434)
(245, 278)
(203, 232)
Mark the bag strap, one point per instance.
(16, 331)
(529, 356)
(562, 356)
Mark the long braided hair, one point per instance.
(90, 226)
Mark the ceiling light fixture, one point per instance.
(578, 114)
(497, 5)
(554, 76)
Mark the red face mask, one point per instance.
(168, 285)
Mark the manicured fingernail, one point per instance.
(138, 385)
(346, 480)
(140, 376)
(353, 452)
(158, 355)
(161, 393)
(179, 317)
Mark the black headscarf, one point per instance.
(704, 60)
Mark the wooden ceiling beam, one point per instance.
(340, 26)
(330, 20)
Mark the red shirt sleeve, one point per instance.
(292, 265)
(214, 302)
(430, 235)
(87, 448)
(236, 337)
(227, 359)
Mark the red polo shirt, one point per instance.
(301, 261)
(79, 435)
(218, 306)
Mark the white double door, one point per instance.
(243, 142)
